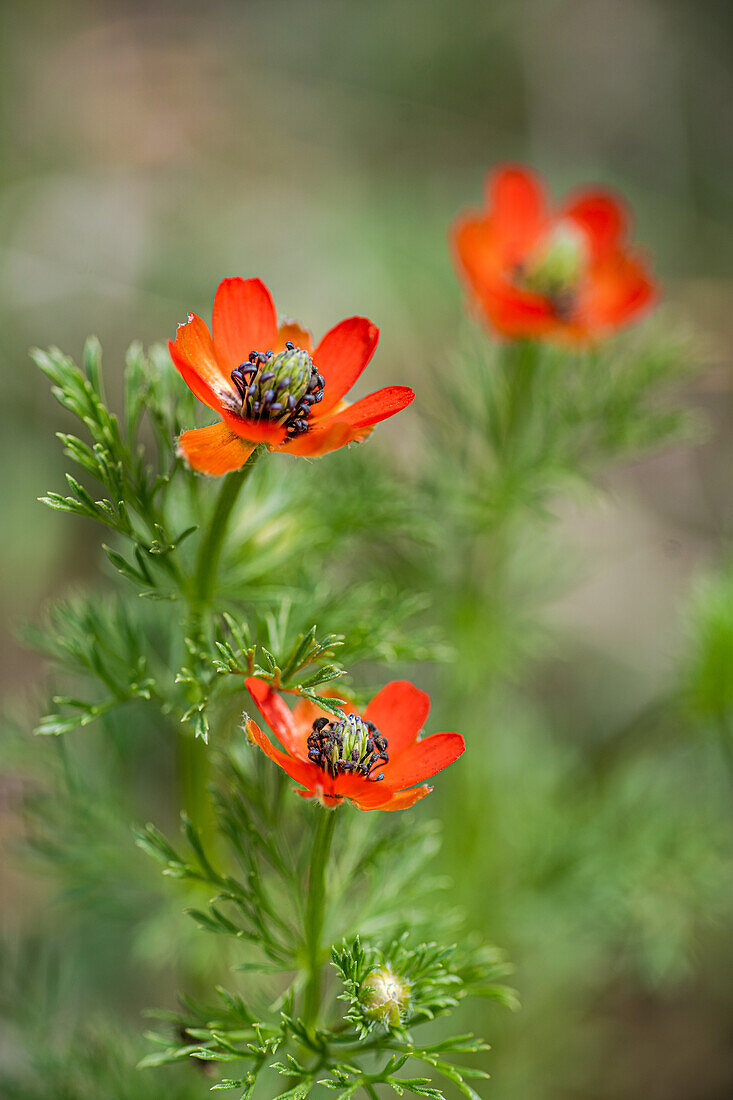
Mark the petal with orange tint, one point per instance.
(478, 252)
(372, 409)
(255, 431)
(319, 441)
(243, 320)
(193, 344)
(399, 711)
(405, 799)
(304, 794)
(195, 383)
(422, 759)
(342, 355)
(291, 331)
(350, 786)
(517, 206)
(391, 800)
(616, 291)
(278, 716)
(298, 770)
(214, 450)
(601, 217)
(518, 313)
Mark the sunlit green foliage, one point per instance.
(318, 590)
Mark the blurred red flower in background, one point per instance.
(373, 759)
(537, 272)
(269, 386)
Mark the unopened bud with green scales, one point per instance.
(385, 996)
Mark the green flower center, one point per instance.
(347, 745)
(280, 388)
(557, 267)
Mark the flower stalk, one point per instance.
(207, 564)
(315, 912)
(194, 765)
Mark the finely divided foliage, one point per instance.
(238, 614)
(337, 957)
(258, 906)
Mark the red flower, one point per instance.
(269, 386)
(537, 272)
(374, 759)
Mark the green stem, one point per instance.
(520, 362)
(314, 913)
(194, 771)
(194, 765)
(207, 564)
(725, 737)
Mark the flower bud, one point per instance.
(385, 996)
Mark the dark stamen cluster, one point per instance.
(348, 746)
(562, 299)
(563, 304)
(282, 388)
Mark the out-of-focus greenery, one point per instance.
(147, 152)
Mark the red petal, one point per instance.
(193, 350)
(278, 715)
(341, 357)
(367, 794)
(516, 202)
(399, 711)
(370, 410)
(296, 334)
(214, 450)
(319, 441)
(255, 431)
(517, 313)
(477, 251)
(405, 799)
(511, 311)
(391, 800)
(244, 320)
(195, 383)
(422, 759)
(616, 291)
(296, 769)
(601, 216)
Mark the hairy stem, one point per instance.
(314, 913)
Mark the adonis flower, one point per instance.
(538, 272)
(269, 386)
(374, 759)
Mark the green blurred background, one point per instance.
(150, 149)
